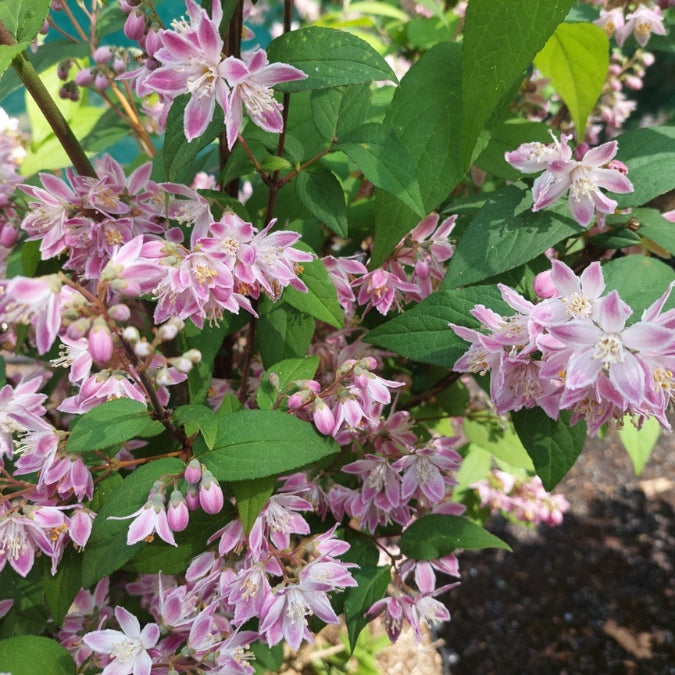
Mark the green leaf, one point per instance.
(270, 658)
(498, 438)
(372, 586)
(320, 300)
(504, 234)
(576, 58)
(177, 151)
(24, 18)
(423, 334)
(649, 155)
(9, 52)
(340, 109)
(494, 66)
(60, 589)
(436, 535)
(107, 549)
(321, 194)
(196, 418)
(639, 443)
(656, 228)
(640, 280)
(476, 465)
(329, 57)
(433, 140)
(107, 130)
(287, 372)
(31, 654)
(425, 32)
(251, 496)
(109, 424)
(283, 333)
(28, 613)
(258, 443)
(385, 162)
(553, 445)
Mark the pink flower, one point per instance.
(582, 178)
(128, 647)
(604, 344)
(191, 59)
(34, 301)
(150, 518)
(611, 20)
(642, 23)
(251, 81)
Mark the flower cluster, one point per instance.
(188, 59)
(590, 361)
(641, 23)
(525, 500)
(582, 175)
(413, 271)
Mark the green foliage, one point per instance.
(107, 548)
(504, 234)
(372, 585)
(24, 18)
(283, 332)
(576, 58)
(198, 418)
(432, 140)
(385, 162)
(649, 155)
(259, 443)
(553, 445)
(321, 194)
(423, 334)
(177, 152)
(501, 37)
(61, 588)
(30, 654)
(330, 58)
(110, 424)
(639, 443)
(320, 300)
(436, 535)
(251, 496)
(338, 110)
(640, 280)
(497, 437)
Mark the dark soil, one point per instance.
(594, 595)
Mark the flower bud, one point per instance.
(177, 513)
(8, 235)
(103, 55)
(142, 348)
(193, 355)
(181, 364)
(211, 497)
(131, 334)
(119, 312)
(101, 81)
(192, 497)
(119, 65)
(101, 344)
(79, 328)
(193, 472)
(543, 285)
(134, 26)
(84, 78)
(63, 69)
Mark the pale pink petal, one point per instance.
(601, 154)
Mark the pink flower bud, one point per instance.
(84, 78)
(633, 82)
(8, 235)
(581, 150)
(211, 496)
(101, 344)
(79, 328)
(177, 513)
(193, 472)
(619, 166)
(103, 55)
(648, 59)
(324, 419)
(192, 497)
(119, 65)
(543, 285)
(119, 312)
(134, 26)
(101, 81)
